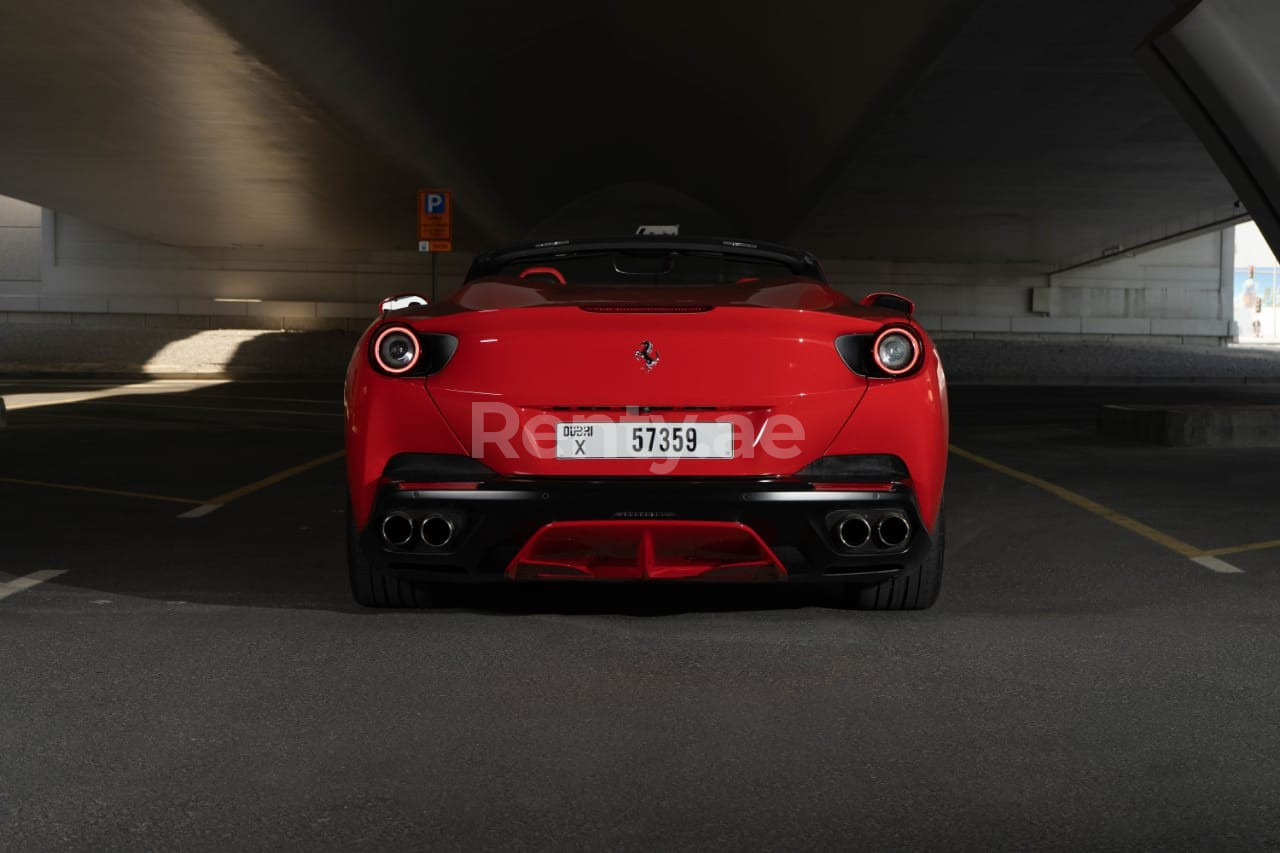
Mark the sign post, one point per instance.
(435, 226)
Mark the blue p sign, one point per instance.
(434, 203)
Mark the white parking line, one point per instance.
(202, 510)
(1213, 564)
(18, 585)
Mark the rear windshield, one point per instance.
(647, 267)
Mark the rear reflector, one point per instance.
(439, 487)
(853, 487)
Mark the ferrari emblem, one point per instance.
(648, 354)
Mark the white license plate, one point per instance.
(644, 441)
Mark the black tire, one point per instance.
(373, 588)
(914, 590)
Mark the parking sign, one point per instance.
(435, 220)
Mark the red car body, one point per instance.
(459, 466)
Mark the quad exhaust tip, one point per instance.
(437, 531)
(397, 529)
(853, 532)
(893, 531)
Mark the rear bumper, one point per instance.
(508, 528)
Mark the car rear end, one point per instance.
(602, 440)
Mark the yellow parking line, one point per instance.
(201, 507)
(230, 496)
(1131, 524)
(95, 490)
(1240, 549)
(222, 500)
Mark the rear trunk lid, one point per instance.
(772, 372)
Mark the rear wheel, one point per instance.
(373, 588)
(914, 590)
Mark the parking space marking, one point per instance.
(214, 504)
(1240, 549)
(110, 420)
(120, 493)
(201, 507)
(115, 420)
(331, 401)
(1199, 556)
(1213, 564)
(202, 510)
(21, 584)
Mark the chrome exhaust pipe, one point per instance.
(853, 531)
(397, 529)
(893, 531)
(437, 531)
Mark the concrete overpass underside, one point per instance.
(185, 153)
(182, 664)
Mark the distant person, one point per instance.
(1252, 305)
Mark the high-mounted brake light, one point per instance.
(396, 350)
(896, 351)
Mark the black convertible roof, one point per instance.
(799, 262)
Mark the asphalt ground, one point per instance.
(1090, 679)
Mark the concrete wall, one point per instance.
(56, 268)
(78, 272)
(1174, 293)
(1183, 289)
(19, 248)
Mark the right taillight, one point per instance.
(896, 351)
(892, 352)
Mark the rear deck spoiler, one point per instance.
(890, 302)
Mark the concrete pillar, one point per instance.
(1219, 62)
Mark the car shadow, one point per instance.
(284, 590)
(639, 599)
(279, 548)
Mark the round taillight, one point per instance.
(396, 349)
(896, 351)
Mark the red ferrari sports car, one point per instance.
(647, 408)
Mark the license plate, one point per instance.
(644, 441)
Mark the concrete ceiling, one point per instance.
(1035, 136)
(146, 116)
(918, 130)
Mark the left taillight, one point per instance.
(400, 350)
